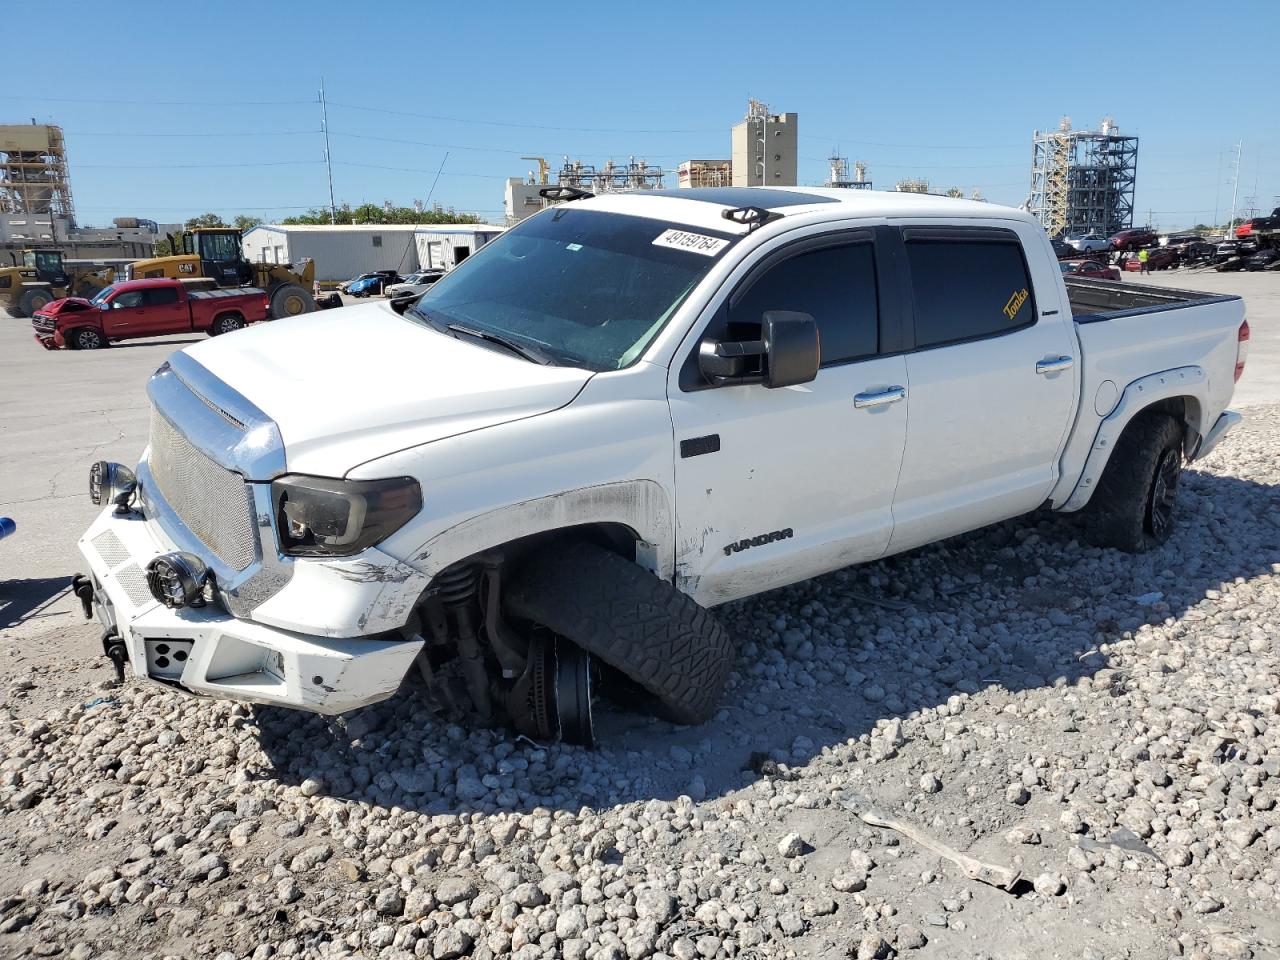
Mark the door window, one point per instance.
(835, 285)
(130, 298)
(219, 247)
(161, 295)
(966, 290)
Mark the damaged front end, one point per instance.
(540, 682)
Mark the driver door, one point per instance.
(125, 314)
(775, 486)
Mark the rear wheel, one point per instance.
(87, 338)
(1133, 507)
(290, 300)
(632, 621)
(33, 300)
(225, 324)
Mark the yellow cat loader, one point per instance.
(214, 254)
(43, 277)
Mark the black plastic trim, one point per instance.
(698, 446)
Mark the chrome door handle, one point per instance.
(1056, 365)
(878, 398)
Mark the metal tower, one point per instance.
(1082, 181)
(33, 171)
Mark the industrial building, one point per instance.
(342, 251)
(765, 148)
(33, 171)
(1082, 181)
(444, 246)
(839, 173)
(523, 196)
(704, 173)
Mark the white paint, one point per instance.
(804, 482)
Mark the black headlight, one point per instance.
(318, 516)
(178, 580)
(111, 483)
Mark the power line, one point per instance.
(162, 103)
(521, 126)
(192, 166)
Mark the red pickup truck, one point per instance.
(145, 308)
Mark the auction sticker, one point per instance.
(693, 242)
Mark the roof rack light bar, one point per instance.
(751, 217)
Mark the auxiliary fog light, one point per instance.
(112, 483)
(178, 579)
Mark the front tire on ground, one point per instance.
(87, 338)
(1133, 507)
(290, 300)
(636, 623)
(33, 300)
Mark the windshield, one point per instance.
(102, 295)
(586, 288)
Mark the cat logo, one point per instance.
(1015, 303)
(186, 268)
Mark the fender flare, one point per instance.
(1137, 397)
(641, 505)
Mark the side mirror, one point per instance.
(788, 353)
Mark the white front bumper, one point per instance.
(206, 651)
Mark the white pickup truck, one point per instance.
(625, 411)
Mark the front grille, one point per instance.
(212, 501)
(43, 323)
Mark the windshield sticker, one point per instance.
(693, 242)
(573, 246)
(1015, 303)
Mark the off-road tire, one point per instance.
(226, 323)
(1125, 510)
(87, 338)
(33, 300)
(290, 300)
(634, 622)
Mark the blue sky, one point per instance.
(174, 110)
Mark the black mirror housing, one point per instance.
(788, 353)
(792, 348)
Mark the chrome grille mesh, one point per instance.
(212, 501)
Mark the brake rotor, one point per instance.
(573, 693)
(552, 698)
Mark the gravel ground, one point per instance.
(1107, 725)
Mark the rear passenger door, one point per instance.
(165, 312)
(993, 381)
(774, 486)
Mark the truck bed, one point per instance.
(1093, 301)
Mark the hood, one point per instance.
(65, 305)
(346, 386)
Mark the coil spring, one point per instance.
(458, 584)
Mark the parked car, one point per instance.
(146, 308)
(1089, 243)
(414, 283)
(1179, 239)
(346, 286)
(1134, 239)
(1262, 260)
(568, 452)
(1063, 250)
(1088, 269)
(1199, 250)
(1258, 225)
(1228, 248)
(1158, 258)
(374, 285)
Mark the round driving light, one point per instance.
(177, 580)
(111, 483)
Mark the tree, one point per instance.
(372, 213)
(205, 220)
(244, 223)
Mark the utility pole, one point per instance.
(1235, 185)
(328, 162)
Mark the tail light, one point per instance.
(1242, 348)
